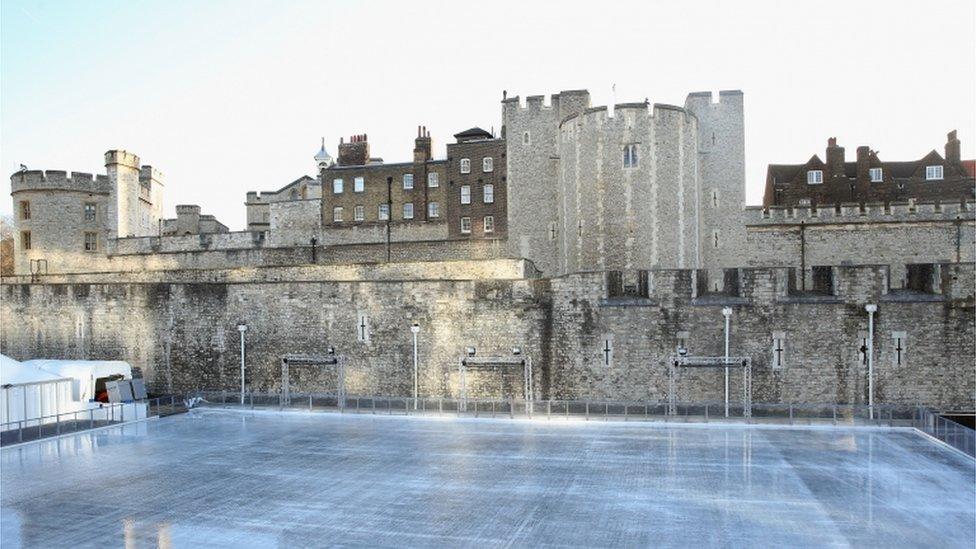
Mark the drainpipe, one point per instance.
(871, 309)
(727, 313)
(242, 328)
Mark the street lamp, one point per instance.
(871, 308)
(727, 313)
(416, 384)
(242, 328)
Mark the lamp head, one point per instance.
(469, 351)
(415, 328)
(516, 351)
(682, 351)
(330, 350)
(727, 311)
(871, 308)
(242, 328)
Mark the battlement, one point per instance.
(187, 209)
(122, 157)
(603, 115)
(147, 173)
(703, 98)
(858, 213)
(58, 180)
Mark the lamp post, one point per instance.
(871, 308)
(416, 383)
(727, 313)
(242, 328)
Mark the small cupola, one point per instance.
(322, 158)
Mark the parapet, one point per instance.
(858, 213)
(122, 157)
(58, 180)
(187, 209)
(147, 173)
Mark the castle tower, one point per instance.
(123, 173)
(323, 159)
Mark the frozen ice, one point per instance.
(233, 479)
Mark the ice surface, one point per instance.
(221, 478)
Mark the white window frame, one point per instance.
(432, 180)
(488, 193)
(433, 209)
(93, 247)
(407, 210)
(337, 214)
(383, 212)
(876, 175)
(408, 181)
(337, 184)
(631, 156)
(487, 164)
(359, 185)
(465, 194)
(359, 213)
(934, 173)
(489, 223)
(465, 225)
(814, 177)
(93, 208)
(465, 165)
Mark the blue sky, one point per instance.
(226, 97)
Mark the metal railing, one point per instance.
(35, 428)
(958, 436)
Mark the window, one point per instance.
(89, 211)
(359, 213)
(876, 175)
(525, 138)
(779, 350)
(606, 350)
(408, 210)
(337, 214)
(465, 225)
(489, 193)
(24, 209)
(487, 164)
(489, 223)
(362, 327)
(630, 155)
(465, 194)
(407, 181)
(465, 165)
(433, 209)
(25, 240)
(91, 242)
(715, 239)
(932, 173)
(814, 177)
(714, 198)
(383, 212)
(337, 186)
(358, 185)
(432, 180)
(898, 348)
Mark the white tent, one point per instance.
(84, 373)
(29, 393)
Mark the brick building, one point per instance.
(933, 178)
(477, 186)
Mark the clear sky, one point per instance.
(230, 96)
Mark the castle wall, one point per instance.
(184, 336)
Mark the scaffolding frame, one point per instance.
(679, 361)
(339, 361)
(476, 363)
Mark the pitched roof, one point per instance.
(475, 132)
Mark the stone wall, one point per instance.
(183, 334)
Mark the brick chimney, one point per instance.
(863, 162)
(835, 158)
(952, 155)
(422, 146)
(355, 152)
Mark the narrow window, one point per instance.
(465, 194)
(407, 181)
(358, 185)
(89, 211)
(433, 209)
(408, 210)
(465, 225)
(465, 165)
(552, 231)
(362, 327)
(714, 198)
(525, 138)
(489, 223)
(630, 155)
(715, 239)
(898, 348)
(383, 212)
(337, 186)
(359, 213)
(489, 194)
(487, 164)
(779, 350)
(933, 173)
(25, 240)
(814, 177)
(25, 209)
(337, 214)
(606, 350)
(91, 242)
(876, 175)
(432, 180)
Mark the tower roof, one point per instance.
(323, 155)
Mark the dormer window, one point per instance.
(876, 175)
(814, 177)
(933, 173)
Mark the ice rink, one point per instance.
(265, 479)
